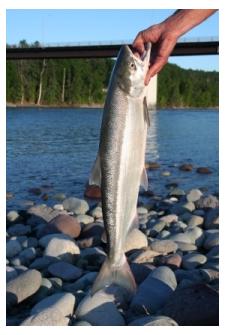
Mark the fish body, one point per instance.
(119, 166)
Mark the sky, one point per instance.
(76, 25)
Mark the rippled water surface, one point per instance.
(54, 148)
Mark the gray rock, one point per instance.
(209, 275)
(82, 283)
(13, 248)
(214, 252)
(30, 242)
(94, 256)
(48, 317)
(99, 310)
(180, 237)
(22, 287)
(19, 229)
(176, 192)
(194, 195)
(42, 262)
(75, 205)
(63, 248)
(62, 302)
(141, 271)
(43, 241)
(193, 260)
(207, 202)
(182, 246)
(164, 246)
(82, 323)
(195, 220)
(154, 291)
(42, 214)
(65, 271)
(163, 234)
(155, 227)
(27, 255)
(211, 239)
(189, 206)
(97, 212)
(142, 210)
(12, 216)
(212, 219)
(196, 235)
(193, 275)
(169, 218)
(135, 240)
(58, 207)
(11, 273)
(59, 196)
(83, 218)
(159, 320)
(45, 289)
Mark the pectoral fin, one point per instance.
(146, 112)
(144, 180)
(95, 177)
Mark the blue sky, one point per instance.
(75, 25)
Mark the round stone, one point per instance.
(12, 216)
(159, 320)
(48, 317)
(164, 246)
(194, 195)
(195, 220)
(97, 212)
(58, 207)
(75, 205)
(135, 240)
(193, 260)
(65, 271)
(62, 223)
(19, 229)
(142, 210)
(85, 219)
(62, 248)
(13, 248)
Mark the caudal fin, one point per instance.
(120, 275)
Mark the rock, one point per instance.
(195, 220)
(182, 246)
(82, 283)
(159, 320)
(173, 261)
(193, 260)
(9, 195)
(48, 317)
(99, 310)
(93, 192)
(45, 197)
(89, 242)
(197, 305)
(12, 216)
(196, 235)
(165, 173)
(203, 170)
(194, 195)
(97, 212)
(214, 252)
(207, 202)
(189, 206)
(209, 275)
(19, 229)
(92, 229)
(211, 239)
(186, 167)
(212, 219)
(170, 218)
(178, 227)
(65, 271)
(22, 287)
(180, 237)
(62, 223)
(141, 271)
(135, 240)
(42, 214)
(152, 165)
(143, 256)
(164, 246)
(93, 256)
(11, 273)
(63, 302)
(75, 205)
(63, 248)
(42, 262)
(27, 255)
(30, 242)
(13, 248)
(58, 207)
(56, 282)
(82, 323)
(155, 227)
(59, 196)
(83, 218)
(142, 210)
(35, 191)
(163, 234)
(154, 291)
(177, 192)
(194, 275)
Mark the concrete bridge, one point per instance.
(185, 47)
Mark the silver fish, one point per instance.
(119, 167)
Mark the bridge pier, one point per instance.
(152, 93)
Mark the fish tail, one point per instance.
(119, 275)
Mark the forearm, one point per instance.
(185, 19)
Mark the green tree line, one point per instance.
(85, 81)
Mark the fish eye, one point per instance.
(132, 66)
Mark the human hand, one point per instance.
(163, 42)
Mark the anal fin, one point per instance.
(95, 177)
(144, 179)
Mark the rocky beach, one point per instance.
(55, 252)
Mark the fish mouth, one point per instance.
(145, 57)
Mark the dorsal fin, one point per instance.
(146, 112)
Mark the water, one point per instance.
(54, 148)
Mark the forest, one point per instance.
(76, 82)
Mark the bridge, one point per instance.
(184, 47)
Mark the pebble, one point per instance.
(82, 283)
(193, 260)
(186, 167)
(12, 216)
(75, 205)
(42, 214)
(11, 273)
(92, 229)
(43, 262)
(203, 170)
(19, 229)
(197, 305)
(189, 206)
(195, 220)
(182, 246)
(23, 286)
(170, 218)
(214, 252)
(152, 165)
(196, 235)
(158, 320)
(85, 219)
(164, 246)
(194, 195)
(142, 210)
(63, 302)
(48, 317)
(154, 291)
(97, 212)
(176, 192)
(135, 240)
(99, 310)
(93, 192)
(45, 289)
(155, 227)
(209, 275)
(13, 248)
(59, 196)
(207, 202)
(27, 255)
(163, 234)
(143, 256)
(165, 173)
(62, 223)
(212, 219)
(65, 271)
(211, 239)
(180, 237)
(173, 261)
(63, 248)
(141, 271)
(30, 242)
(58, 207)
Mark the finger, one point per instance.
(138, 44)
(155, 68)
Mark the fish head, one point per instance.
(130, 70)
